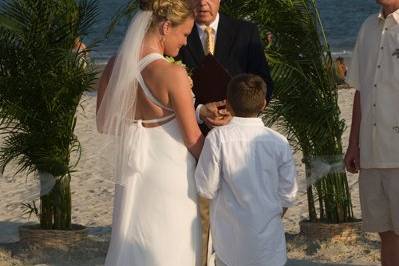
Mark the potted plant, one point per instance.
(43, 74)
(305, 104)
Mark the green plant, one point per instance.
(304, 103)
(42, 79)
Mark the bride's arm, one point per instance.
(180, 95)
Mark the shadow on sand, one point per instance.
(309, 263)
(89, 252)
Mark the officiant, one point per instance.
(237, 46)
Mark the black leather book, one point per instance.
(210, 80)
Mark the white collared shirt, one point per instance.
(201, 29)
(374, 72)
(248, 171)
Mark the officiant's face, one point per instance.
(206, 11)
(177, 37)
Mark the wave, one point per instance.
(341, 53)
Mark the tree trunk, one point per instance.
(46, 212)
(62, 204)
(311, 203)
(46, 206)
(56, 205)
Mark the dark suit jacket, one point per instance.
(238, 48)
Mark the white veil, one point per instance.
(115, 116)
(115, 119)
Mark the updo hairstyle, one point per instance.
(175, 11)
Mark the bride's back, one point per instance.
(157, 79)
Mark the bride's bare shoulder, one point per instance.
(173, 73)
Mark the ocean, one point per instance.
(341, 19)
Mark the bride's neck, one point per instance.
(152, 43)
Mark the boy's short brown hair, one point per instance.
(246, 95)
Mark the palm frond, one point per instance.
(42, 79)
(304, 104)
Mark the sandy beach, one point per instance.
(92, 196)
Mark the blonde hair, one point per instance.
(175, 11)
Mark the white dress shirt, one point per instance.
(248, 171)
(374, 72)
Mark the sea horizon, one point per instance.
(341, 22)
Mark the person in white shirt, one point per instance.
(374, 139)
(248, 172)
(237, 46)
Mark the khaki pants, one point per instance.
(204, 216)
(379, 198)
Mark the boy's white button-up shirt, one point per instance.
(248, 171)
(374, 72)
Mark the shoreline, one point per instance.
(347, 55)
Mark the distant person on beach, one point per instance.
(248, 172)
(80, 47)
(146, 107)
(340, 70)
(374, 138)
(269, 38)
(237, 46)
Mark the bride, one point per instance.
(145, 104)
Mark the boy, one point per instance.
(248, 172)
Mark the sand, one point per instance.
(92, 192)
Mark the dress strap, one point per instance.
(148, 59)
(157, 120)
(145, 61)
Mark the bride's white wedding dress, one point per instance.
(155, 221)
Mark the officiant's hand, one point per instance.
(215, 114)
